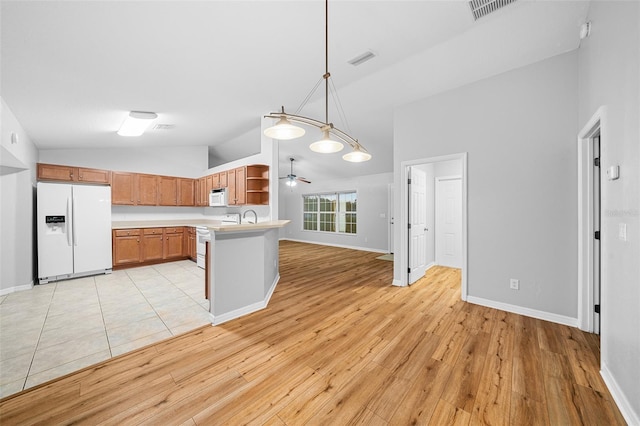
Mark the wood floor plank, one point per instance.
(338, 344)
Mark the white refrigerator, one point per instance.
(74, 231)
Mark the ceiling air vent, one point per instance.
(164, 126)
(480, 8)
(362, 58)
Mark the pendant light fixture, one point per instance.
(285, 130)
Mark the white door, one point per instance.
(417, 224)
(91, 228)
(390, 219)
(449, 221)
(55, 247)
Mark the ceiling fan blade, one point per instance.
(305, 180)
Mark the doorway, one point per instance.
(407, 169)
(590, 141)
(448, 226)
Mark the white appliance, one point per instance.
(202, 236)
(218, 197)
(74, 231)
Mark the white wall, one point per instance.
(17, 188)
(519, 130)
(372, 201)
(609, 70)
(186, 161)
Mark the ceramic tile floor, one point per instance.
(54, 329)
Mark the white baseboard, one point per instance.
(245, 310)
(397, 283)
(630, 416)
(337, 245)
(429, 266)
(5, 291)
(528, 312)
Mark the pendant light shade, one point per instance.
(326, 145)
(357, 156)
(283, 130)
(291, 182)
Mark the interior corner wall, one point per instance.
(17, 207)
(519, 130)
(373, 203)
(609, 66)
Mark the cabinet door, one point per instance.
(224, 180)
(126, 249)
(203, 197)
(56, 172)
(209, 184)
(231, 187)
(168, 191)
(147, 190)
(152, 244)
(215, 181)
(193, 251)
(241, 185)
(186, 192)
(173, 245)
(94, 175)
(123, 188)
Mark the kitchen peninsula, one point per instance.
(243, 267)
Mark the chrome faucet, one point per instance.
(255, 215)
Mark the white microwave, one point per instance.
(218, 197)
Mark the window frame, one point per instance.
(339, 216)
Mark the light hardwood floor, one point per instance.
(339, 345)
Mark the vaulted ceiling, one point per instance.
(71, 70)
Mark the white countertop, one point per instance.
(214, 225)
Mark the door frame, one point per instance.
(403, 220)
(595, 125)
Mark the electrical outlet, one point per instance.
(514, 284)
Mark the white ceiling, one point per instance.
(71, 70)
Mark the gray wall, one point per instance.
(609, 76)
(519, 130)
(17, 187)
(373, 202)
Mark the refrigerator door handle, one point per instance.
(68, 220)
(73, 222)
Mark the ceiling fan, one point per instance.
(292, 180)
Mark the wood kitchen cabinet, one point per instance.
(126, 246)
(173, 243)
(167, 191)
(152, 244)
(63, 173)
(257, 184)
(236, 189)
(147, 190)
(123, 188)
(224, 179)
(186, 192)
(190, 249)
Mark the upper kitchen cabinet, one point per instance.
(186, 192)
(223, 180)
(236, 186)
(168, 191)
(62, 173)
(123, 188)
(147, 190)
(257, 184)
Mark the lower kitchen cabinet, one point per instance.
(152, 244)
(173, 243)
(126, 247)
(190, 249)
(136, 247)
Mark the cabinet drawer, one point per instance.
(152, 231)
(178, 230)
(126, 232)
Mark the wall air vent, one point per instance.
(362, 58)
(164, 127)
(480, 8)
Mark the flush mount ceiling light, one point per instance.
(284, 130)
(136, 123)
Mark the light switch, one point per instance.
(622, 231)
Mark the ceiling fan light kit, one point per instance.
(284, 130)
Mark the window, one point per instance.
(330, 212)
